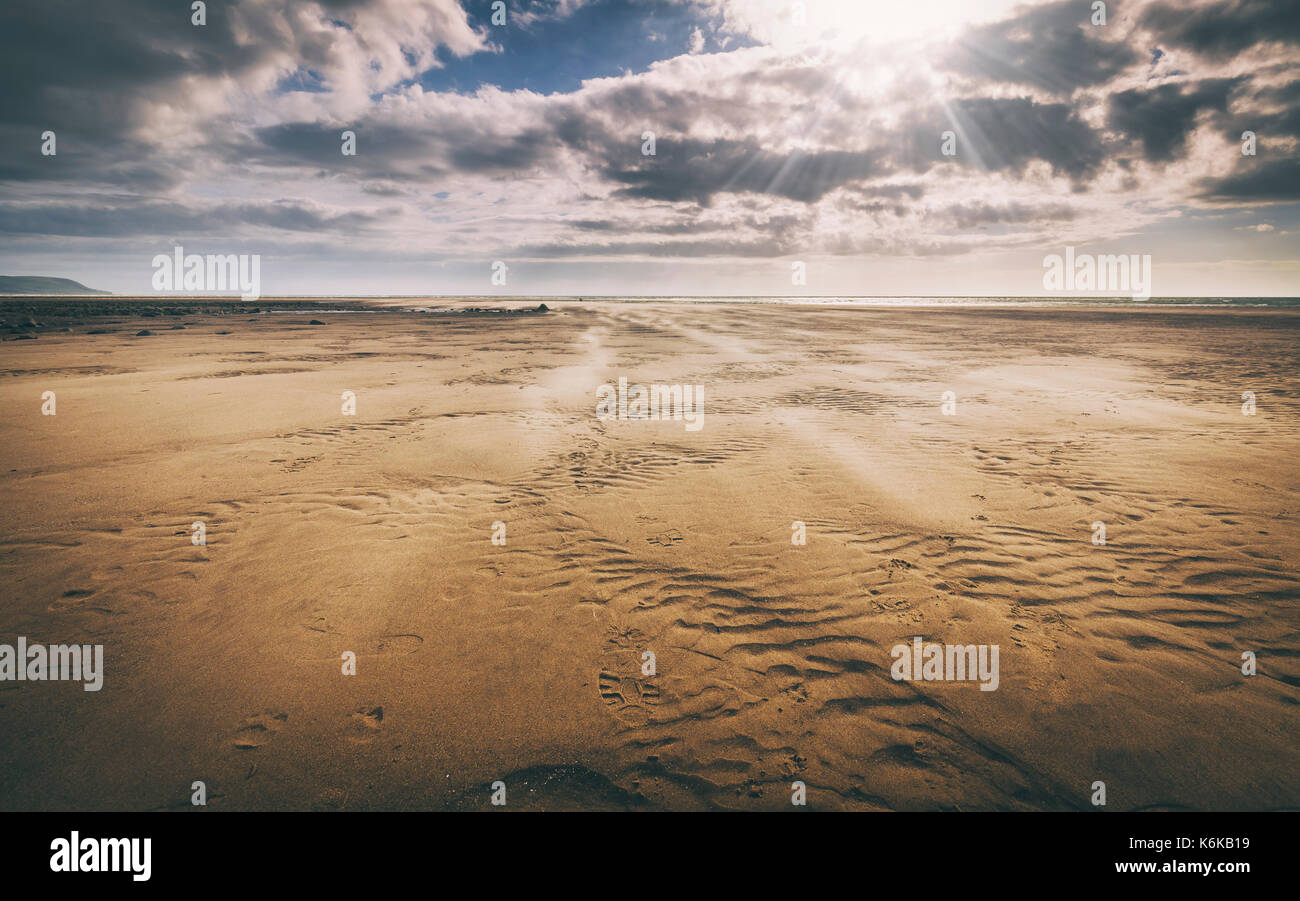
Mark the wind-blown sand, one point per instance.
(372, 533)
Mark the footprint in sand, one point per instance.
(666, 539)
(395, 644)
(401, 643)
(331, 799)
(897, 565)
(629, 696)
(76, 598)
(364, 725)
(627, 693)
(258, 730)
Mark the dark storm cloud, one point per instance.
(1004, 134)
(1053, 48)
(1270, 112)
(393, 152)
(382, 151)
(696, 170)
(126, 216)
(85, 72)
(100, 74)
(87, 66)
(81, 158)
(85, 60)
(1263, 181)
(511, 153)
(1161, 118)
(1224, 28)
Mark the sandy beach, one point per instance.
(523, 662)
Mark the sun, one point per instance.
(799, 23)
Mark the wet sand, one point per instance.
(475, 662)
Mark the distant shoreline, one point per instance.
(828, 300)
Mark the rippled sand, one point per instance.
(522, 663)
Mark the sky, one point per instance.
(653, 147)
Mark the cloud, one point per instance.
(976, 214)
(775, 141)
(1163, 117)
(1007, 133)
(696, 170)
(1223, 28)
(116, 66)
(1053, 48)
(1267, 180)
(127, 216)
